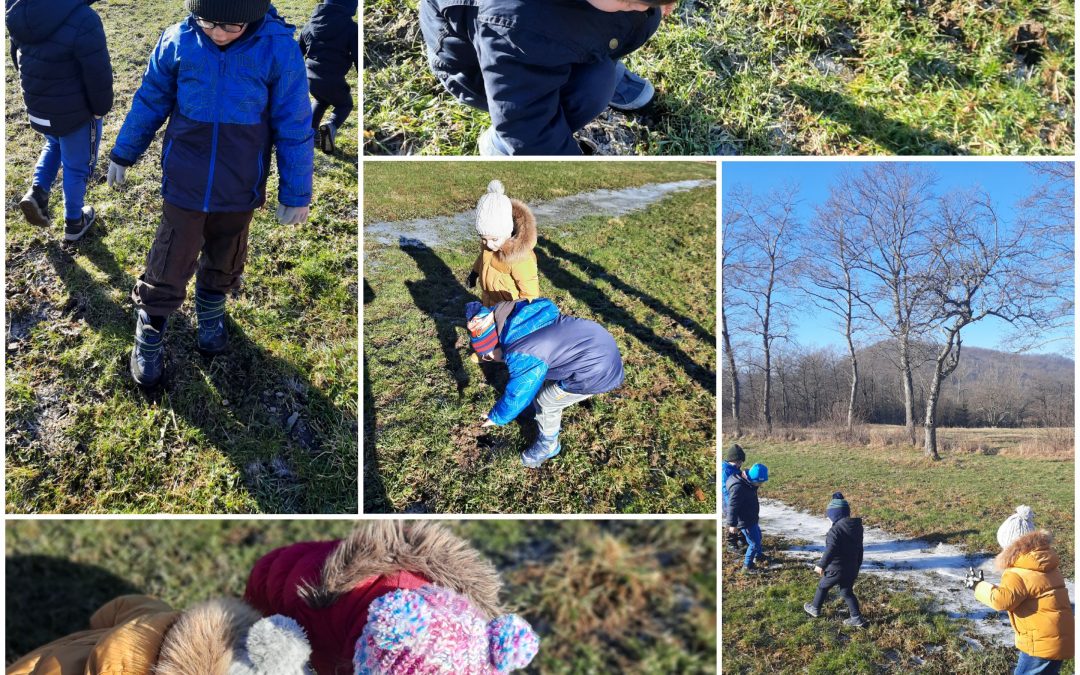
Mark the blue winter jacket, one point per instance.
(59, 48)
(743, 505)
(539, 344)
(727, 471)
(226, 109)
(512, 57)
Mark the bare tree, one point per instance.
(764, 231)
(730, 270)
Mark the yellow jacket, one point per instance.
(1032, 591)
(511, 273)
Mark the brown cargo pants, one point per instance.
(181, 237)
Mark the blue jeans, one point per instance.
(753, 537)
(1033, 665)
(77, 152)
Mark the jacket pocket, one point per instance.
(158, 257)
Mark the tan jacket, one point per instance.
(511, 272)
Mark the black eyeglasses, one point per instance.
(207, 24)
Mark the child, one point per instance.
(733, 461)
(139, 635)
(554, 362)
(232, 84)
(1033, 592)
(544, 68)
(394, 599)
(506, 266)
(328, 42)
(60, 52)
(841, 560)
(742, 512)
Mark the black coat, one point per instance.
(59, 48)
(329, 39)
(742, 501)
(843, 549)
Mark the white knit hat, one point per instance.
(1016, 526)
(494, 213)
(275, 645)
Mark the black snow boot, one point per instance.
(148, 356)
(212, 336)
(75, 229)
(35, 206)
(326, 137)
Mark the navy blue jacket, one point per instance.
(226, 109)
(329, 39)
(512, 57)
(59, 49)
(843, 549)
(742, 507)
(539, 344)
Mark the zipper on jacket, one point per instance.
(164, 159)
(214, 137)
(258, 180)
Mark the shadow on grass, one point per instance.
(871, 124)
(47, 598)
(548, 255)
(374, 489)
(271, 423)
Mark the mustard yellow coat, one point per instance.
(1032, 591)
(511, 272)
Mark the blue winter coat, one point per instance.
(727, 471)
(539, 344)
(329, 40)
(843, 554)
(743, 506)
(59, 49)
(226, 109)
(512, 57)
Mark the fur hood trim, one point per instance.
(1040, 540)
(383, 547)
(523, 240)
(206, 639)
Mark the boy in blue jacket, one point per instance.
(554, 361)
(232, 83)
(60, 52)
(742, 511)
(543, 69)
(328, 43)
(733, 461)
(840, 561)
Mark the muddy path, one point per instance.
(936, 569)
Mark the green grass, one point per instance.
(643, 595)
(81, 437)
(648, 447)
(766, 631)
(407, 111)
(960, 500)
(391, 191)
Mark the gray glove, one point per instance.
(972, 580)
(292, 215)
(117, 174)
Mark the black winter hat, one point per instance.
(228, 11)
(735, 454)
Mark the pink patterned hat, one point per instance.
(435, 631)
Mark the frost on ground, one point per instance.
(937, 569)
(443, 230)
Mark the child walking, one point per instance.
(840, 562)
(1033, 592)
(232, 84)
(329, 45)
(743, 508)
(543, 69)
(60, 51)
(733, 461)
(506, 266)
(554, 361)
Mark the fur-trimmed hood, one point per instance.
(523, 240)
(206, 639)
(1030, 551)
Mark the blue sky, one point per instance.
(1007, 182)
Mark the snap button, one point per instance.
(614, 44)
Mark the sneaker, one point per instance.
(749, 569)
(856, 622)
(543, 449)
(147, 356)
(211, 335)
(75, 229)
(490, 145)
(632, 92)
(811, 610)
(35, 206)
(763, 560)
(327, 134)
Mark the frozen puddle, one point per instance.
(937, 569)
(443, 230)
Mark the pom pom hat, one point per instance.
(495, 213)
(1015, 526)
(480, 322)
(838, 507)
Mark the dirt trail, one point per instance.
(937, 569)
(444, 230)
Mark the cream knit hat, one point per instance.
(494, 213)
(1016, 526)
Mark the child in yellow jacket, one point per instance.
(1033, 592)
(506, 266)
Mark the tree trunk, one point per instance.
(854, 360)
(930, 423)
(733, 373)
(909, 390)
(766, 409)
(947, 359)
